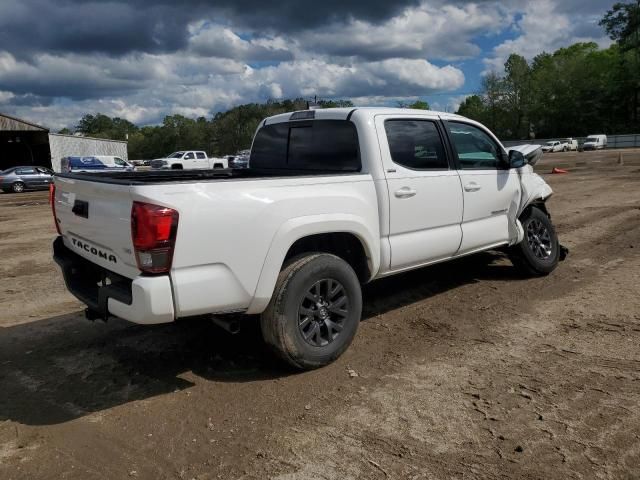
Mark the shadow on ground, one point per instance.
(62, 368)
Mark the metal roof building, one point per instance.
(25, 143)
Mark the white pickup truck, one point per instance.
(333, 199)
(189, 160)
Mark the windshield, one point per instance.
(551, 143)
(176, 155)
(591, 139)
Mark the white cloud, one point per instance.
(444, 32)
(542, 27)
(5, 96)
(216, 41)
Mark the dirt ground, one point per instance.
(462, 370)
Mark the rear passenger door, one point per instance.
(425, 197)
(491, 189)
(201, 160)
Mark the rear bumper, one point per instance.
(144, 300)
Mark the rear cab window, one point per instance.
(317, 145)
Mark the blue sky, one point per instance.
(195, 58)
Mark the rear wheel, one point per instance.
(315, 311)
(539, 252)
(17, 187)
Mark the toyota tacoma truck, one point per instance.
(333, 199)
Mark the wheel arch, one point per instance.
(345, 236)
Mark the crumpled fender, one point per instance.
(533, 189)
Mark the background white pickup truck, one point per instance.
(332, 199)
(189, 160)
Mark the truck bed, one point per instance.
(188, 176)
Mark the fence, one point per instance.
(613, 141)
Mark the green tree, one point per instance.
(473, 107)
(417, 105)
(622, 24)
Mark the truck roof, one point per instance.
(344, 113)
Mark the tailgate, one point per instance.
(95, 221)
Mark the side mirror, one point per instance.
(516, 159)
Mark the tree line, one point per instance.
(226, 133)
(575, 91)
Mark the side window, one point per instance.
(201, 156)
(189, 156)
(25, 171)
(476, 150)
(118, 161)
(416, 144)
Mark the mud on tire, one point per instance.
(314, 312)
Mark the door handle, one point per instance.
(472, 187)
(405, 192)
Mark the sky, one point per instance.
(142, 60)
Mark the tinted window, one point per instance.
(476, 150)
(416, 144)
(270, 147)
(25, 171)
(118, 161)
(189, 156)
(329, 145)
(44, 170)
(201, 155)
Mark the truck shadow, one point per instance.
(63, 368)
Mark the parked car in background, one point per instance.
(572, 144)
(19, 179)
(240, 159)
(95, 164)
(189, 160)
(595, 142)
(554, 146)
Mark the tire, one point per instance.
(300, 306)
(17, 187)
(539, 252)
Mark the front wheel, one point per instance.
(539, 252)
(314, 312)
(17, 187)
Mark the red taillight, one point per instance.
(52, 202)
(153, 230)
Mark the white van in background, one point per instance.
(115, 162)
(595, 142)
(572, 144)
